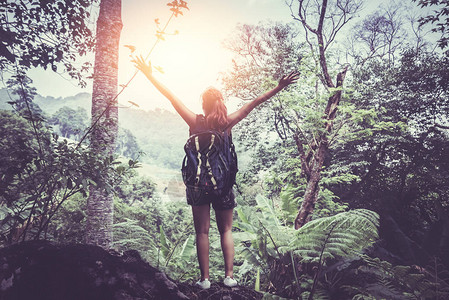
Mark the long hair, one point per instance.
(214, 109)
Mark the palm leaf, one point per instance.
(165, 248)
(187, 248)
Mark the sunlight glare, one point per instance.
(191, 60)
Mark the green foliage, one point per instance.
(126, 144)
(71, 123)
(136, 206)
(161, 231)
(280, 252)
(165, 247)
(400, 165)
(287, 183)
(51, 169)
(329, 238)
(69, 222)
(23, 145)
(256, 241)
(129, 234)
(439, 19)
(384, 280)
(45, 34)
(385, 154)
(136, 190)
(340, 235)
(159, 147)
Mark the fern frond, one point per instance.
(413, 283)
(130, 235)
(335, 236)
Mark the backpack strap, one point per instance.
(198, 171)
(212, 178)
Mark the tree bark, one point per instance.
(311, 162)
(312, 189)
(104, 118)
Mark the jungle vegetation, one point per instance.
(343, 188)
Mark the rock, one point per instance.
(42, 270)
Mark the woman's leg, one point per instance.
(224, 224)
(201, 220)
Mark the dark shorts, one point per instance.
(218, 203)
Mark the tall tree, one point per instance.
(104, 117)
(323, 23)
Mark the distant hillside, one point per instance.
(51, 104)
(159, 133)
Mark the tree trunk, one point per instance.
(104, 118)
(312, 189)
(312, 163)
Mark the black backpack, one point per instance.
(210, 163)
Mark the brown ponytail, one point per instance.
(215, 109)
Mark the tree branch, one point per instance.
(441, 126)
(319, 34)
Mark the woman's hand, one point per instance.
(289, 79)
(142, 66)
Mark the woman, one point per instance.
(215, 117)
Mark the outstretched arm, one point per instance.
(240, 114)
(182, 110)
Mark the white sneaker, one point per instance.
(230, 282)
(205, 284)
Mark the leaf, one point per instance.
(130, 47)
(160, 36)
(158, 68)
(183, 4)
(133, 103)
(336, 236)
(187, 248)
(267, 209)
(252, 257)
(165, 248)
(84, 183)
(4, 212)
(242, 215)
(257, 284)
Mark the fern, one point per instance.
(336, 236)
(130, 235)
(397, 282)
(263, 229)
(327, 238)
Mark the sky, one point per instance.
(191, 60)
